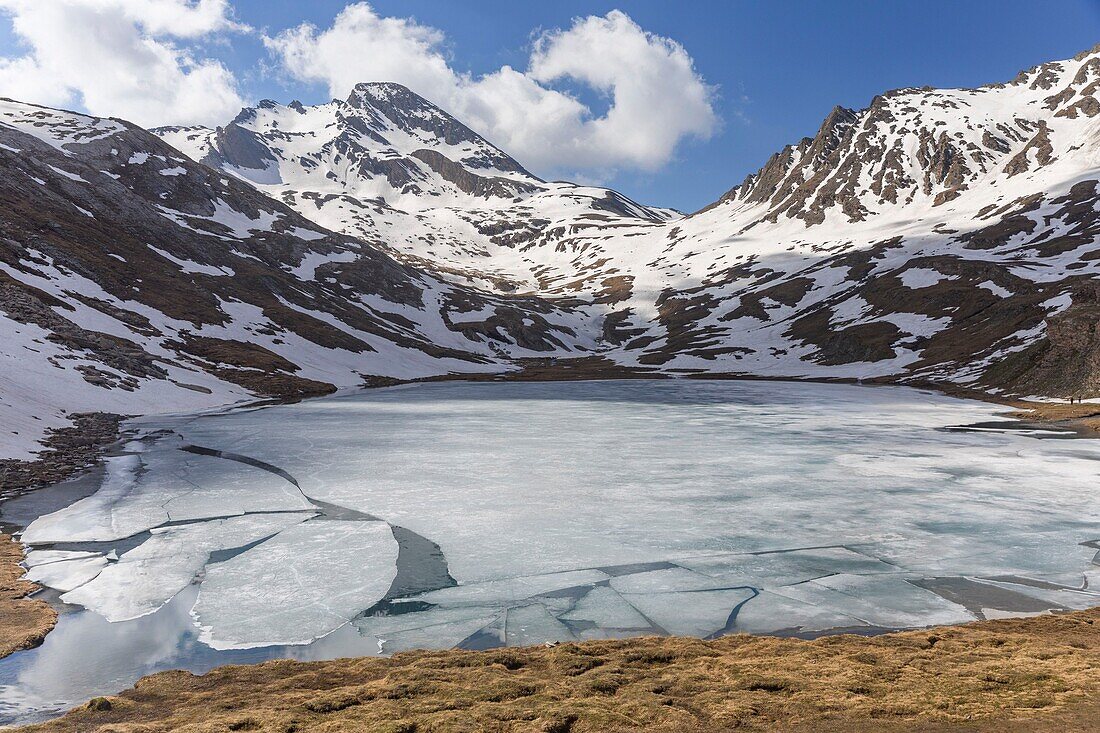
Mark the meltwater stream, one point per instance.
(479, 515)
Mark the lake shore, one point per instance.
(24, 622)
(1035, 674)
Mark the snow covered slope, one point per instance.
(935, 236)
(391, 168)
(134, 279)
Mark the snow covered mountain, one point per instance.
(133, 279)
(937, 236)
(388, 167)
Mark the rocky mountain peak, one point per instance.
(409, 112)
(927, 147)
(373, 92)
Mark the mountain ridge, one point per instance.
(933, 237)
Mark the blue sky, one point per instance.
(778, 67)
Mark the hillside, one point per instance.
(939, 236)
(133, 279)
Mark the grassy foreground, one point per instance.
(24, 622)
(1036, 674)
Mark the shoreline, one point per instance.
(24, 619)
(68, 460)
(1032, 674)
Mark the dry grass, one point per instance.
(24, 622)
(1078, 416)
(1038, 674)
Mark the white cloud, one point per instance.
(656, 98)
(122, 58)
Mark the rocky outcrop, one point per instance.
(471, 183)
(1066, 361)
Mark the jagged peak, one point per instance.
(380, 90)
(925, 142)
(410, 111)
(389, 97)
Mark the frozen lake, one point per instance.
(488, 514)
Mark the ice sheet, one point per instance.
(607, 609)
(435, 628)
(181, 486)
(770, 612)
(691, 613)
(507, 590)
(885, 601)
(65, 575)
(599, 506)
(303, 583)
(148, 576)
(534, 624)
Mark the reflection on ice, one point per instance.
(477, 515)
(148, 576)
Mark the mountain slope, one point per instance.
(390, 168)
(937, 236)
(133, 279)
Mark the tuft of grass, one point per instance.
(558, 724)
(767, 685)
(332, 704)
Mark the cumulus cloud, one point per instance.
(655, 96)
(122, 58)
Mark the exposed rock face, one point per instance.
(1065, 363)
(471, 183)
(916, 143)
(409, 111)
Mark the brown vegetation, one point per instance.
(1084, 417)
(24, 622)
(1037, 674)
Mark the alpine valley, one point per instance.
(937, 237)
